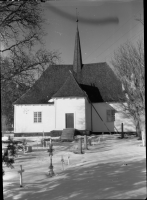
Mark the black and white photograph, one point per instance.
(72, 99)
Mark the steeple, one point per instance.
(77, 61)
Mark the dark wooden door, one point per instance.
(69, 120)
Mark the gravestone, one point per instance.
(29, 148)
(68, 134)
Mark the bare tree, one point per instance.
(20, 31)
(24, 68)
(21, 24)
(128, 65)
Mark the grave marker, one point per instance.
(80, 146)
(85, 141)
(68, 159)
(20, 172)
(89, 142)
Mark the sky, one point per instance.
(103, 27)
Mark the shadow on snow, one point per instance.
(97, 181)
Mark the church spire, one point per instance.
(77, 62)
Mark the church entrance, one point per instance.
(69, 118)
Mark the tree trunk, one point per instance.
(122, 131)
(144, 134)
(143, 138)
(138, 130)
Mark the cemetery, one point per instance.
(73, 100)
(97, 165)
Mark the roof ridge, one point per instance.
(77, 82)
(95, 63)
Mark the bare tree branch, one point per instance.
(128, 64)
(21, 62)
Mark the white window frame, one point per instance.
(37, 117)
(110, 115)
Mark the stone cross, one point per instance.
(20, 172)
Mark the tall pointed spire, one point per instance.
(77, 61)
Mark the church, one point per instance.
(84, 97)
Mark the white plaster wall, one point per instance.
(121, 117)
(88, 116)
(97, 124)
(24, 118)
(70, 105)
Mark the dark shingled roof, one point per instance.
(70, 88)
(97, 80)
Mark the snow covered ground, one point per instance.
(110, 169)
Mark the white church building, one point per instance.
(80, 96)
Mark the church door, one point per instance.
(69, 117)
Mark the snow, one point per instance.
(112, 169)
(5, 138)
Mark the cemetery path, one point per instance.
(111, 169)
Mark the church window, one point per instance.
(37, 117)
(110, 115)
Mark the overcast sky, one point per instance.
(103, 26)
